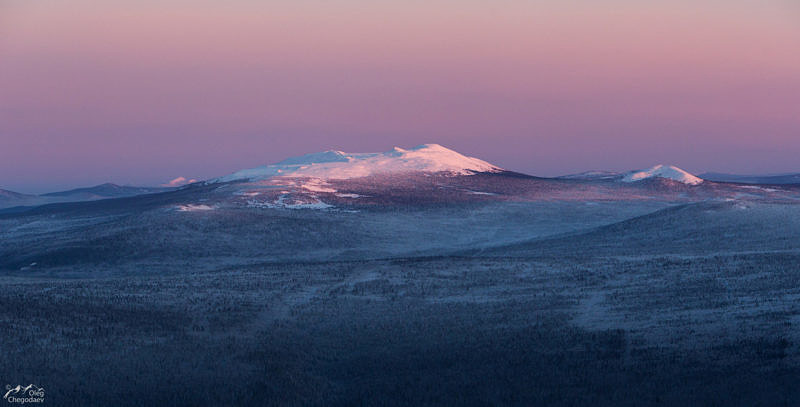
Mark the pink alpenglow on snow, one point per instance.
(180, 181)
(428, 158)
(663, 171)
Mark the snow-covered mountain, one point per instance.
(665, 172)
(660, 171)
(329, 165)
(428, 174)
(432, 174)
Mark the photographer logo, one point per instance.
(20, 394)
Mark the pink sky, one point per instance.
(142, 92)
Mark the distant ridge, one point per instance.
(4, 193)
(108, 190)
(776, 179)
(9, 199)
(592, 175)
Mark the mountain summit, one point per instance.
(428, 158)
(663, 171)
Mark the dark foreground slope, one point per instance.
(692, 305)
(445, 331)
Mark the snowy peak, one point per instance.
(428, 158)
(663, 171)
(330, 156)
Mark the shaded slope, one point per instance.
(702, 228)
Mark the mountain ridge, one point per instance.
(428, 174)
(107, 189)
(10, 199)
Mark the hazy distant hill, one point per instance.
(778, 179)
(9, 199)
(104, 191)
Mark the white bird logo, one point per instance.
(19, 389)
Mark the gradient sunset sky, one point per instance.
(140, 92)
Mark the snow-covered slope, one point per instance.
(431, 158)
(663, 171)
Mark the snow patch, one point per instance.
(317, 185)
(310, 205)
(287, 202)
(247, 193)
(663, 171)
(180, 181)
(759, 188)
(194, 208)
